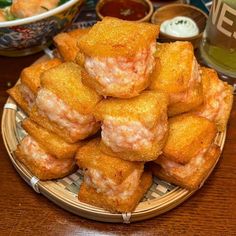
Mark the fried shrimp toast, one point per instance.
(25, 92)
(66, 43)
(189, 152)
(195, 99)
(64, 105)
(15, 93)
(41, 164)
(218, 99)
(134, 129)
(119, 56)
(30, 76)
(177, 74)
(116, 183)
(51, 143)
(90, 196)
(191, 175)
(98, 165)
(188, 134)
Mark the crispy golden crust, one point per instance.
(38, 169)
(173, 69)
(66, 46)
(15, 93)
(149, 108)
(66, 43)
(194, 100)
(118, 91)
(53, 127)
(80, 60)
(114, 37)
(51, 143)
(188, 134)
(146, 108)
(65, 82)
(90, 196)
(211, 84)
(195, 179)
(30, 76)
(78, 33)
(91, 157)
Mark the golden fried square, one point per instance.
(51, 143)
(30, 83)
(218, 99)
(43, 165)
(90, 157)
(66, 43)
(90, 196)
(147, 113)
(38, 169)
(188, 135)
(174, 67)
(195, 99)
(30, 76)
(113, 37)
(190, 176)
(65, 82)
(146, 108)
(16, 94)
(177, 74)
(118, 91)
(56, 129)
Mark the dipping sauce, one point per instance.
(180, 26)
(125, 9)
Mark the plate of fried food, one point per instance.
(116, 127)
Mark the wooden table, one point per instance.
(211, 211)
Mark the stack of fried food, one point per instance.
(154, 109)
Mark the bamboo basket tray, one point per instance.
(160, 198)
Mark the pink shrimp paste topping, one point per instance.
(59, 112)
(33, 151)
(122, 134)
(27, 94)
(94, 178)
(122, 71)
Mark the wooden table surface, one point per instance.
(210, 211)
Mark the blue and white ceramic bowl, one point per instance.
(30, 35)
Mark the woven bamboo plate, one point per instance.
(161, 197)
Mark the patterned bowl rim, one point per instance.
(38, 17)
